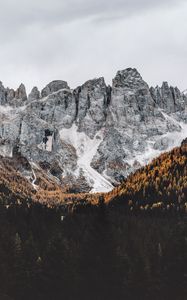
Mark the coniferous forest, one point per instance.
(130, 244)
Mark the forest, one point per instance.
(99, 253)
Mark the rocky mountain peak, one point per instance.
(165, 85)
(96, 83)
(1, 85)
(168, 97)
(34, 94)
(54, 86)
(2, 94)
(20, 93)
(129, 78)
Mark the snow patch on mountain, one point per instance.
(86, 148)
(6, 150)
(49, 143)
(34, 180)
(166, 142)
(5, 109)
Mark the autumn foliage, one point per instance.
(161, 184)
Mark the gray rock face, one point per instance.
(11, 97)
(129, 79)
(44, 143)
(131, 101)
(168, 98)
(2, 94)
(101, 131)
(58, 108)
(54, 86)
(91, 106)
(20, 93)
(34, 94)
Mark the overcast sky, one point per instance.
(77, 40)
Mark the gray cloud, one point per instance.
(19, 13)
(79, 39)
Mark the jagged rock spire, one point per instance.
(20, 93)
(168, 98)
(34, 94)
(2, 94)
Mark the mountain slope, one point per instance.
(161, 184)
(24, 182)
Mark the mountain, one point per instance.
(94, 136)
(162, 184)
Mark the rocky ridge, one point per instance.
(95, 132)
